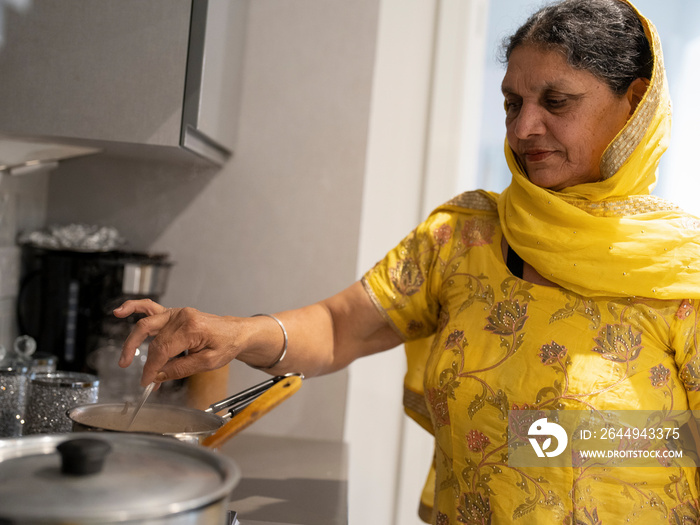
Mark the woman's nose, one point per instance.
(529, 121)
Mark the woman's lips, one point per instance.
(537, 155)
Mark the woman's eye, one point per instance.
(555, 102)
(511, 105)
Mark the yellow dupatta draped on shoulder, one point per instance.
(611, 237)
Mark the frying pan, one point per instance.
(189, 424)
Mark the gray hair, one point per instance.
(603, 37)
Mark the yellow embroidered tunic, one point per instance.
(502, 343)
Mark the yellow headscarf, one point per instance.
(611, 237)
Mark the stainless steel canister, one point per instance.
(145, 276)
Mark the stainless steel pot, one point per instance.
(188, 424)
(112, 478)
(185, 424)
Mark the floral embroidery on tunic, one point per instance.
(502, 344)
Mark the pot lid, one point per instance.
(141, 477)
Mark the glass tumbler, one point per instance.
(43, 363)
(13, 389)
(117, 384)
(50, 395)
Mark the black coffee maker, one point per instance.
(66, 298)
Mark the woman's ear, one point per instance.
(635, 93)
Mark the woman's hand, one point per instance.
(210, 340)
(323, 337)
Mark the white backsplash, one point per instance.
(22, 207)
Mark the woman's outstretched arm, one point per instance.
(323, 337)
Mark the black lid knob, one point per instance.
(83, 456)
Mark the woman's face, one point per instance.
(559, 120)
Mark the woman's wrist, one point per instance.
(265, 343)
(285, 343)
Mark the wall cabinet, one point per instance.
(114, 73)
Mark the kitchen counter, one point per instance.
(288, 481)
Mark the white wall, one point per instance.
(391, 208)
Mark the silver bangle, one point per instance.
(284, 348)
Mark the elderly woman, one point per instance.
(574, 289)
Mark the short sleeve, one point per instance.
(684, 341)
(405, 284)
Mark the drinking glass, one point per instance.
(43, 363)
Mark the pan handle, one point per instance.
(277, 393)
(239, 401)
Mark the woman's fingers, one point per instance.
(146, 327)
(139, 306)
(142, 330)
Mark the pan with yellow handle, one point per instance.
(207, 427)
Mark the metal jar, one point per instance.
(107, 478)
